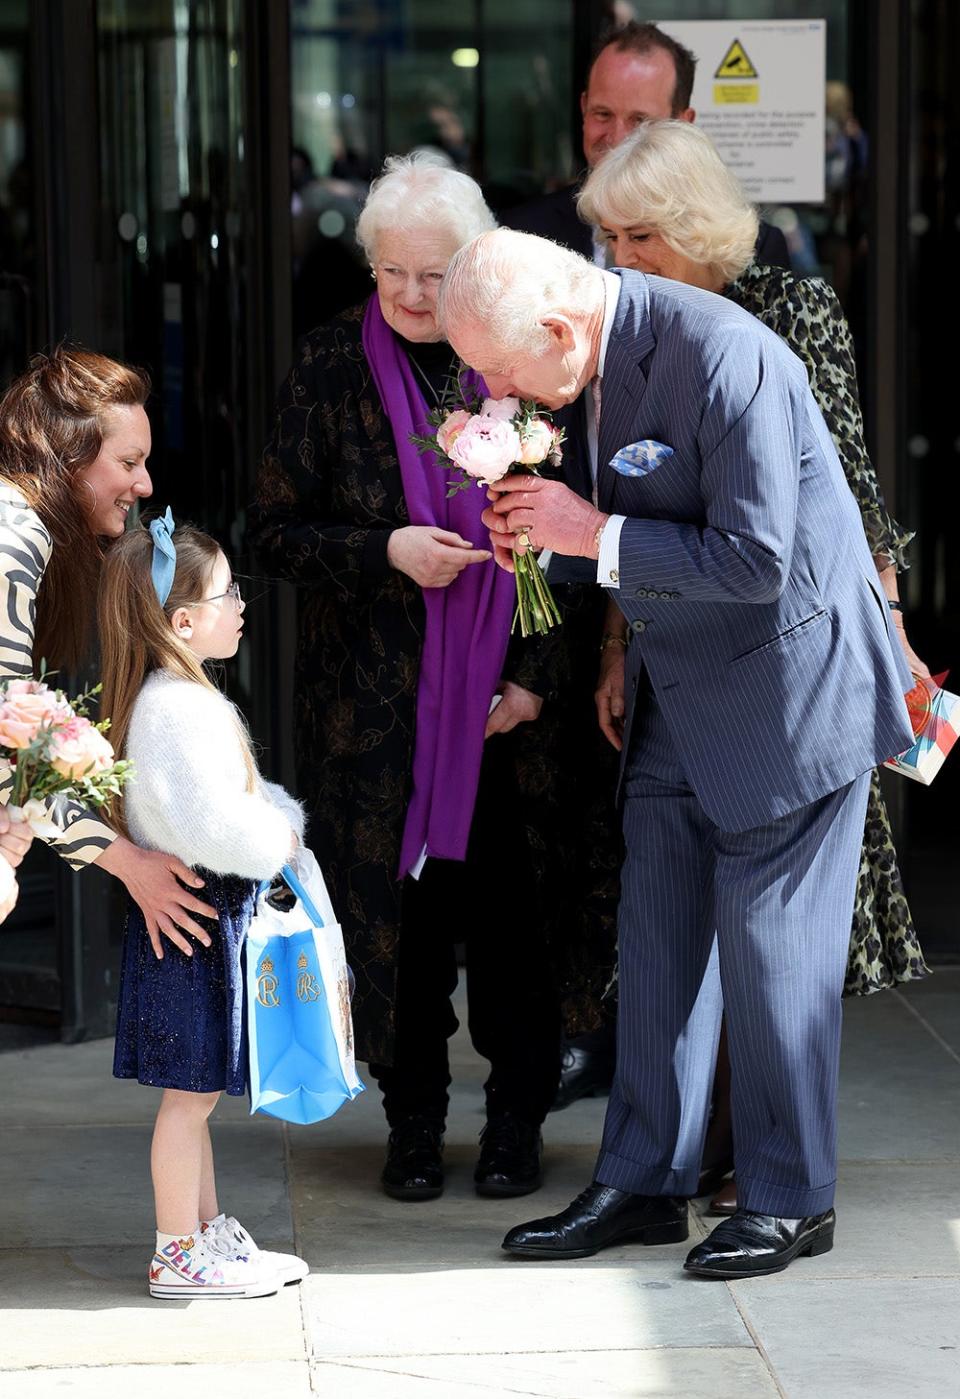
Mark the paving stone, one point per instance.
(72, 1084)
(886, 1338)
(89, 1306)
(937, 1000)
(62, 1186)
(709, 1373)
(899, 1088)
(410, 1301)
(519, 1307)
(251, 1380)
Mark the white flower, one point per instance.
(502, 410)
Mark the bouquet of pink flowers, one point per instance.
(55, 751)
(482, 441)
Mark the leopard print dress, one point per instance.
(806, 314)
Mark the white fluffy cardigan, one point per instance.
(188, 792)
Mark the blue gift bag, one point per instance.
(298, 1003)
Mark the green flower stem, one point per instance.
(18, 793)
(537, 611)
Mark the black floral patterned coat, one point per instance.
(329, 494)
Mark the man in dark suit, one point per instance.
(638, 73)
(764, 684)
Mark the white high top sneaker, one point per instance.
(189, 1268)
(230, 1240)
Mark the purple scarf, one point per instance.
(468, 623)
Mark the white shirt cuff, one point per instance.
(608, 564)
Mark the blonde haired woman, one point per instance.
(669, 207)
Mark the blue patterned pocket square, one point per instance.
(640, 458)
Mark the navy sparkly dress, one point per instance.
(181, 1021)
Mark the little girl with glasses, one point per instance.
(167, 606)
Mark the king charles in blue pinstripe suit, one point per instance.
(763, 685)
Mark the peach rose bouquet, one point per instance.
(482, 440)
(56, 752)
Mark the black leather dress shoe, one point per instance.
(509, 1157)
(752, 1245)
(414, 1166)
(583, 1074)
(599, 1217)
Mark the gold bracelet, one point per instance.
(608, 638)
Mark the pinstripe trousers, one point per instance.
(756, 924)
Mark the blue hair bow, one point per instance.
(164, 564)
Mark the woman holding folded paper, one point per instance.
(414, 711)
(667, 205)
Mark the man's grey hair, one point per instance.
(668, 178)
(420, 193)
(510, 282)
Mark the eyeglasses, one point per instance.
(390, 272)
(233, 592)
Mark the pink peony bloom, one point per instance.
(27, 706)
(451, 428)
(77, 749)
(536, 443)
(486, 448)
(502, 410)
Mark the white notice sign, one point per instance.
(759, 95)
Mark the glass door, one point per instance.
(486, 86)
(29, 953)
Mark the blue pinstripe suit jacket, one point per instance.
(744, 571)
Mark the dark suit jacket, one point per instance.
(555, 216)
(743, 572)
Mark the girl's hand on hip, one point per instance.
(155, 881)
(432, 557)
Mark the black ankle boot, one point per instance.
(414, 1165)
(509, 1157)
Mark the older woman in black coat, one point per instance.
(403, 648)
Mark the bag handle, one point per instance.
(294, 883)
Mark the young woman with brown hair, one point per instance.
(74, 443)
(168, 604)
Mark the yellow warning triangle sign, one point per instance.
(735, 63)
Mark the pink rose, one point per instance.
(77, 749)
(502, 410)
(486, 448)
(536, 442)
(26, 707)
(451, 428)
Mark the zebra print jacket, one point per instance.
(25, 549)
